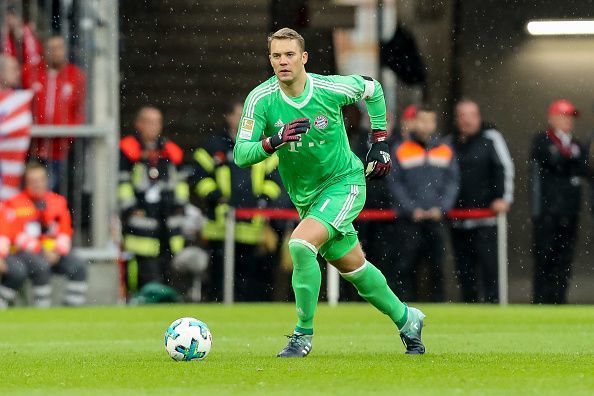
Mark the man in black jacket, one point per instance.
(558, 163)
(486, 182)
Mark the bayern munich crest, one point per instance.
(321, 122)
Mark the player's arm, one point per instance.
(353, 89)
(249, 148)
(377, 161)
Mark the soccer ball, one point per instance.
(188, 339)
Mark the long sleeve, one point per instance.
(555, 161)
(248, 148)
(451, 186)
(355, 88)
(80, 88)
(503, 175)
(63, 240)
(126, 194)
(581, 162)
(543, 157)
(249, 153)
(33, 63)
(202, 179)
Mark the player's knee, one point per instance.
(312, 231)
(301, 252)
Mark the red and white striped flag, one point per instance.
(15, 136)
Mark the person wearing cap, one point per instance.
(558, 164)
(407, 122)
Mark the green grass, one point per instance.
(470, 350)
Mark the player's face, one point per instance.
(426, 123)
(562, 122)
(468, 118)
(149, 124)
(36, 182)
(287, 60)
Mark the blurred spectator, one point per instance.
(191, 263)
(218, 184)
(21, 42)
(59, 100)
(16, 267)
(407, 122)
(424, 183)
(42, 227)
(558, 163)
(15, 127)
(486, 181)
(152, 195)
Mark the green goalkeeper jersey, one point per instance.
(323, 156)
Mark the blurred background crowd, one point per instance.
(483, 122)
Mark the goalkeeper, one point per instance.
(298, 116)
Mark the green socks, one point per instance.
(306, 281)
(372, 286)
(307, 278)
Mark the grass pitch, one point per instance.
(470, 350)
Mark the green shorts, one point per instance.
(336, 207)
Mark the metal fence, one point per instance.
(333, 278)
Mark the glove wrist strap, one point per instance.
(378, 136)
(267, 146)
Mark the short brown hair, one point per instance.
(33, 166)
(287, 34)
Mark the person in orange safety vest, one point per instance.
(41, 226)
(152, 194)
(15, 267)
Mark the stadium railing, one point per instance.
(333, 277)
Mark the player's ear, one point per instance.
(304, 57)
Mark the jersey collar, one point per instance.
(308, 87)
